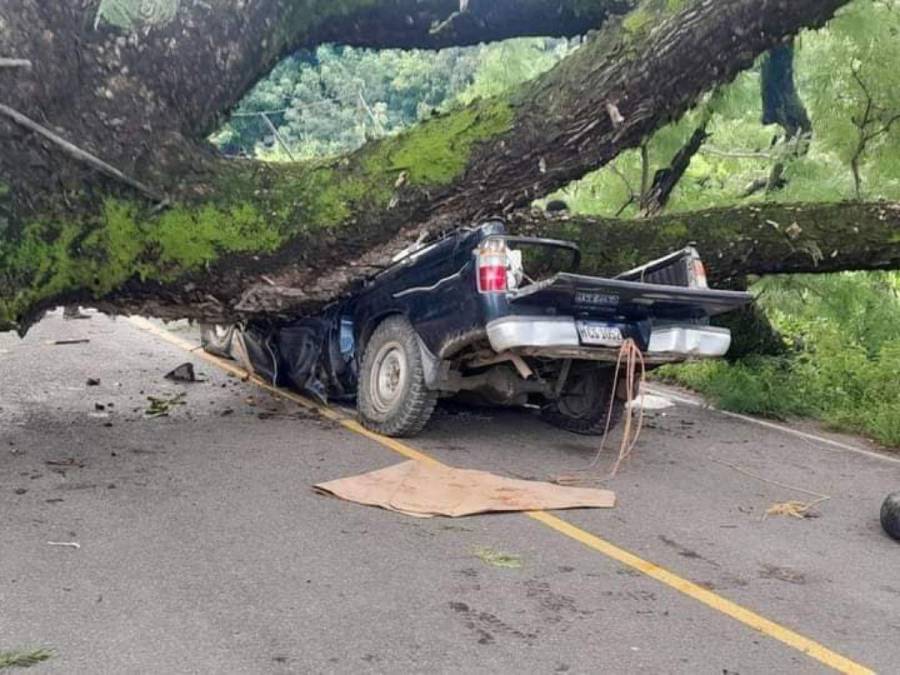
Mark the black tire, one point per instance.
(583, 405)
(393, 399)
(217, 339)
(890, 515)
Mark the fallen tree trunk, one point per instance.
(137, 80)
(239, 238)
(739, 241)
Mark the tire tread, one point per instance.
(420, 402)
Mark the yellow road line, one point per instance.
(747, 617)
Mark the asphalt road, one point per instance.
(203, 548)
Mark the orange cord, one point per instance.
(631, 354)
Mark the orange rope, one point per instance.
(631, 354)
(631, 358)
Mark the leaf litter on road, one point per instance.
(161, 405)
(497, 559)
(21, 658)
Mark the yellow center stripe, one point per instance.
(717, 602)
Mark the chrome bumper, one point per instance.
(690, 340)
(558, 337)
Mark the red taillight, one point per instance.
(492, 263)
(492, 278)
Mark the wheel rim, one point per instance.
(390, 372)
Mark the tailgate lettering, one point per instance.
(593, 298)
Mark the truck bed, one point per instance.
(576, 294)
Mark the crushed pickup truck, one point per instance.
(494, 319)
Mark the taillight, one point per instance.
(699, 274)
(696, 270)
(492, 264)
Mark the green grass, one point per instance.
(842, 363)
(23, 658)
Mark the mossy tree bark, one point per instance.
(739, 241)
(239, 238)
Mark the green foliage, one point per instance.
(22, 658)
(845, 65)
(503, 66)
(864, 38)
(843, 332)
(757, 385)
(334, 100)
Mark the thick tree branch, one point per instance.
(665, 180)
(243, 237)
(737, 241)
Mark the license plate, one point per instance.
(600, 334)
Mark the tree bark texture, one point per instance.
(781, 102)
(738, 241)
(237, 237)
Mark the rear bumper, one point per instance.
(690, 340)
(558, 337)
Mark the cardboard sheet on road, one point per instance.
(425, 490)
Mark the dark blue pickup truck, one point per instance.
(492, 318)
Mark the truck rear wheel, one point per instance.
(583, 405)
(393, 398)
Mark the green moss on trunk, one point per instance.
(250, 209)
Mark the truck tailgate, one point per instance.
(582, 295)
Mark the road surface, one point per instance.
(203, 548)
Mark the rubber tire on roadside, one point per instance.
(416, 402)
(890, 515)
(598, 386)
(217, 339)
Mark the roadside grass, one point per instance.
(842, 360)
(23, 658)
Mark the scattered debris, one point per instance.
(785, 574)
(496, 559)
(81, 341)
(793, 508)
(183, 373)
(20, 491)
(93, 382)
(424, 490)
(99, 406)
(71, 312)
(65, 544)
(160, 406)
(18, 658)
(70, 462)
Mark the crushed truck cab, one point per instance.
(502, 320)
